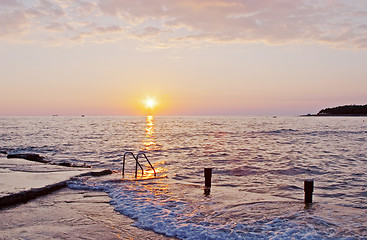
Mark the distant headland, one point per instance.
(346, 110)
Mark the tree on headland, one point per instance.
(347, 110)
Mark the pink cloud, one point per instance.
(12, 23)
(276, 21)
(108, 29)
(335, 22)
(9, 3)
(148, 32)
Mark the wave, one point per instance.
(333, 132)
(158, 209)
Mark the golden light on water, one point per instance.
(150, 142)
(160, 171)
(149, 128)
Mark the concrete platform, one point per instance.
(70, 214)
(53, 211)
(22, 180)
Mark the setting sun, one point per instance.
(150, 102)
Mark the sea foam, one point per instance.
(169, 215)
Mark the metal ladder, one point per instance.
(137, 164)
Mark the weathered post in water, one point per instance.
(208, 177)
(208, 180)
(308, 187)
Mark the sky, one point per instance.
(193, 57)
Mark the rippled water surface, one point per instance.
(259, 165)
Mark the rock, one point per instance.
(69, 164)
(101, 173)
(28, 156)
(66, 164)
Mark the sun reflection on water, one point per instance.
(150, 143)
(158, 167)
(158, 188)
(148, 172)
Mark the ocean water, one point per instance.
(259, 165)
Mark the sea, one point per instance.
(259, 165)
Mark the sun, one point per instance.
(150, 102)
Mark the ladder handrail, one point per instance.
(142, 153)
(136, 165)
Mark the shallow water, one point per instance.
(259, 165)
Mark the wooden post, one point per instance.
(208, 177)
(308, 188)
(208, 180)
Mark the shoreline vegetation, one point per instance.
(346, 110)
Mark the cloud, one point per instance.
(340, 23)
(12, 23)
(147, 32)
(108, 29)
(9, 3)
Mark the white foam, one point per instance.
(182, 219)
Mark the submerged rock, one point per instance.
(69, 164)
(101, 173)
(28, 156)
(66, 164)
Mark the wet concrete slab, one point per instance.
(21, 180)
(69, 214)
(36, 204)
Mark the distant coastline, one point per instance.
(346, 110)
